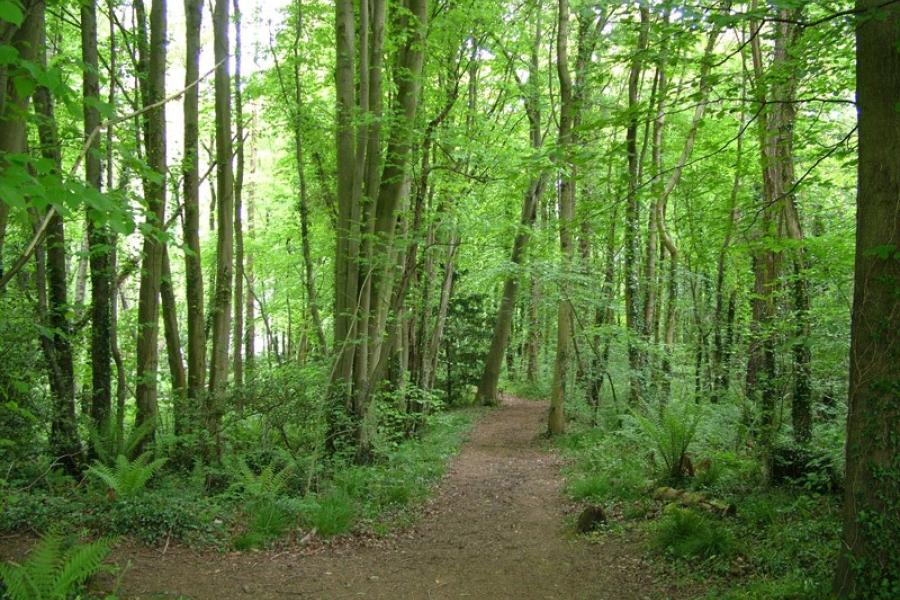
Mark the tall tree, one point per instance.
(632, 211)
(56, 344)
(556, 421)
(487, 385)
(238, 364)
(155, 199)
(25, 39)
(221, 310)
(774, 94)
(868, 568)
(98, 233)
(196, 331)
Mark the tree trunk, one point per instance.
(487, 386)
(632, 213)
(238, 332)
(98, 233)
(57, 346)
(556, 420)
(26, 40)
(196, 325)
(221, 312)
(155, 197)
(867, 566)
(173, 346)
(775, 132)
(303, 203)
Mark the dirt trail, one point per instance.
(494, 530)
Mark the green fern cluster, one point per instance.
(672, 432)
(54, 569)
(268, 483)
(109, 441)
(126, 478)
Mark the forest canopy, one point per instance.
(254, 243)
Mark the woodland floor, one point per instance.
(495, 528)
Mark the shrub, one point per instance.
(54, 570)
(684, 533)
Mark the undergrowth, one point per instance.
(782, 541)
(264, 495)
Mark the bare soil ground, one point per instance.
(495, 529)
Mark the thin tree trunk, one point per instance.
(250, 319)
(632, 212)
(556, 420)
(303, 203)
(221, 313)
(98, 234)
(194, 300)
(155, 197)
(64, 441)
(238, 332)
(173, 344)
(487, 385)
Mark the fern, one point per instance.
(54, 569)
(108, 442)
(127, 478)
(269, 482)
(672, 433)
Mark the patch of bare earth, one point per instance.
(494, 529)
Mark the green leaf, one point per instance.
(8, 54)
(11, 12)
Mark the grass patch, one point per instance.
(686, 534)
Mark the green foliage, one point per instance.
(331, 514)
(267, 519)
(156, 515)
(126, 478)
(468, 337)
(672, 433)
(606, 467)
(269, 482)
(55, 569)
(108, 443)
(686, 534)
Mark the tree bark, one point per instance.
(64, 441)
(98, 233)
(155, 198)
(173, 345)
(221, 312)
(632, 213)
(238, 359)
(194, 300)
(556, 419)
(867, 567)
(303, 202)
(26, 40)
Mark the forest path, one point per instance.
(494, 530)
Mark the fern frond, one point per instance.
(78, 565)
(136, 436)
(104, 474)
